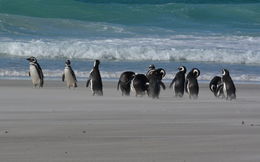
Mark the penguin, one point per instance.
(125, 82)
(140, 84)
(155, 83)
(216, 86)
(35, 72)
(179, 81)
(229, 88)
(69, 75)
(191, 83)
(95, 80)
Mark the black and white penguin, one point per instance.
(179, 81)
(229, 88)
(191, 83)
(216, 86)
(140, 84)
(155, 83)
(35, 72)
(69, 75)
(125, 82)
(95, 80)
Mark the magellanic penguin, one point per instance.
(191, 83)
(125, 82)
(155, 83)
(95, 80)
(35, 72)
(179, 81)
(69, 75)
(140, 84)
(216, 86)
(229, 88)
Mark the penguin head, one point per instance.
(132, 75)
(225, 72)
(196, 72)
(161, 72)
(96, 63)
(32, 59)
(67, 62)
(182, 69)
(151, 67)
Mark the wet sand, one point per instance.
(56, 124)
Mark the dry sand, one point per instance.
(55, 124)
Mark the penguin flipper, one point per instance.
(41, 75)
(63, 77)
(73, 74)
(172, 82)
(39, 70)
(186, 88)
(29, 73)
(88, 81)
(163, 85)
(219, 91)
(118, 85)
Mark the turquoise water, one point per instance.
(131, 34)
(130, 17)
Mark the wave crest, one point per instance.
(239, 50)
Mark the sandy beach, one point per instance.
(57, 124)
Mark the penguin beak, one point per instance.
(29, 59)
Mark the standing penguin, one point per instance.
(95, 80)
(216, 86)
(69, 75)
(179, 81)
(191, 83)
(35, 72)
(229, 88)
(125, 82)
(155, 82)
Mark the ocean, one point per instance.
(131, 35)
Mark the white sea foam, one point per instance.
(223, 49)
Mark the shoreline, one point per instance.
(81, 82)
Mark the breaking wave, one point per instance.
(190, 48)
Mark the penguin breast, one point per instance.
(69, 77)
(34, 74)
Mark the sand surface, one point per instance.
(55, 124)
